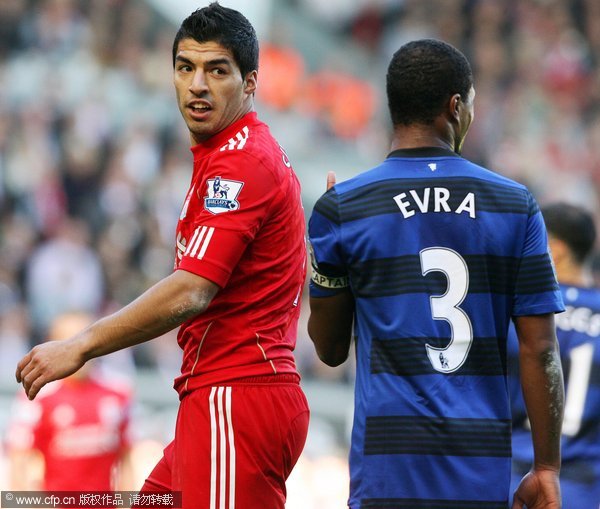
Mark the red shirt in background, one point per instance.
(79, 426)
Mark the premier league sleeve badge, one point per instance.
(222, 195)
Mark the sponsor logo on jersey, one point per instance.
(222, 195)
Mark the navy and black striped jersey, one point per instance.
(439, 253)
(578, 332)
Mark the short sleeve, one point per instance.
(536, 288)
(233, 202)
(329, 274)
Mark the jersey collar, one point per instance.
(218, 140)
(423, 152)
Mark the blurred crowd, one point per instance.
(94, 159)
(537, 77)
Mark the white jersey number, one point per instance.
(446, 307)
(579, 379)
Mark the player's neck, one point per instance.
(418, 136)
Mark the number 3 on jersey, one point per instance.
(446, 307)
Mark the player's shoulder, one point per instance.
(251, 143)
(480, 172)
(447, 171)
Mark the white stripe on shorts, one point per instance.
(222, 449)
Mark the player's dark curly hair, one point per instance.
(421, 77)
(573, 225)
(225, 26)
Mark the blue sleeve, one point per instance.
(536, 288)
(329, 274)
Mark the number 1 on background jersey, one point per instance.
(577, 387)
(446, 307)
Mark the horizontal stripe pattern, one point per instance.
(408, 357)
(413, 503)
(536, 275)
(503, 275)
(327, 206)
(437, 436)
(378, 197)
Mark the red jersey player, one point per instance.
(240, 268)
(77, 430)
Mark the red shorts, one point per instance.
(235, 445)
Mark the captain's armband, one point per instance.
(331, 282)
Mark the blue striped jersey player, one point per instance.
(572, 234)
(425, 259)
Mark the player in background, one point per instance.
(235, 292)
(429, 256)
(571, 235)
(75, 435)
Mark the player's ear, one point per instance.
(251, 82)
(454, 106)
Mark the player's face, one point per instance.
(211, 92)
(466, 118)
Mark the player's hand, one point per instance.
(330, 180)
(539, 489)
(47, 362)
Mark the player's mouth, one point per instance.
(199, 110)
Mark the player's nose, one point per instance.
(199, 85)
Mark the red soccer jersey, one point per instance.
(80, 427)
(242, 227)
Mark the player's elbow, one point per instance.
(329, 350)
(190, 295)
(332, 344)
(196, 301)
(332, 359)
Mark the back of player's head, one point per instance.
(421, 77)
(225, 26)
(572, 225)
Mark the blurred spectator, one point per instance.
(347, 104)
(75, 435)
(63, 274)
(282, 74)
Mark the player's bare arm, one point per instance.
(542, 382)
(160, 309)
(330, 326)
(330, 321)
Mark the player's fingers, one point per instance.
(35, 388)
(330, 179)
(23, 363)
(33, 382)
(28, 378)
